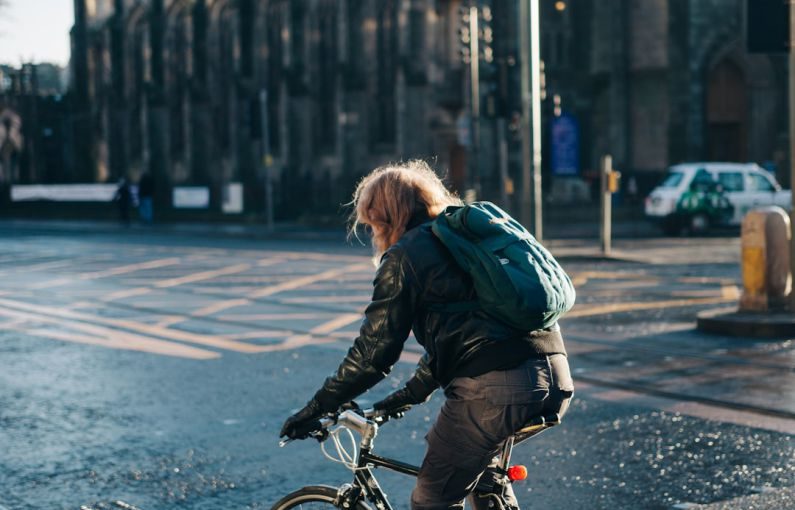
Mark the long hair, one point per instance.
(389, 196)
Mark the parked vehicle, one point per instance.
(696, 196)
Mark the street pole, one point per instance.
(605, 230)
(524, 69)
(535, 79)
(266, 157)
(474, 73)
(792, 143)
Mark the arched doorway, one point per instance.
(727, 113)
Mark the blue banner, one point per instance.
(565, 141)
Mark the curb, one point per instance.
(749, 325)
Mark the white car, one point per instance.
(745, 186)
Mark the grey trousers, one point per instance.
(480, 413)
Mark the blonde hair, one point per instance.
(388, 197)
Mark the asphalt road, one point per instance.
(156, 368)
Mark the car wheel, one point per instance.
(697, 224)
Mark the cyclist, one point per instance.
(495, 378)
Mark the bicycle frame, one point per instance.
(490, 488)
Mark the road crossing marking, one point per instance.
(257, 317)
(306, 280)
(204, 275)
(121, 294)
(334, 324)
(591, 310)
(220, 305)
(54, 313)
(99, 335)
(130, 268)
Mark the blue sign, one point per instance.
(565, 157)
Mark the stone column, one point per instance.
(81, 126)
(247, 107)
(157, 126)
(200, 123)
(117, 137)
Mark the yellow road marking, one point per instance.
(339, 322)
(169, 320)
(353, 299)
(204, 275)
(295, 342)
(39, 266)
(121, 294)
(587, 311)
(273, 316)
(98, 335)
(306, 280)
(220, 305)
(153, 330)
(258, 334)
(131, 268)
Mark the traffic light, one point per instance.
(767, 28)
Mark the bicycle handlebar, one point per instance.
(319, 428)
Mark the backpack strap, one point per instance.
(454, 307)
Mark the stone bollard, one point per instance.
(765, 244)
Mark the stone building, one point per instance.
(186, 88)
(196, 91)
(33, 113)
(667, 81)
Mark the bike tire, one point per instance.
(313, 497)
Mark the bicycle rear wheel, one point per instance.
(313, 497)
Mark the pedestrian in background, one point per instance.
(123, 199)
(146, 191)
(496, 378)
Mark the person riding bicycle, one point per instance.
(496, 379)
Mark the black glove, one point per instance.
(397, 400)
(299, 425)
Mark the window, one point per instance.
(731, 181)
(672, 180)
(761, 183)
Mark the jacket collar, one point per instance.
(418, 218)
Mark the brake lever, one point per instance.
(319, 435)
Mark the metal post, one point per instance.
(503, 152)
(605, 226)
(792, 140)
(474, 73)
(266, 157)
(535, 80)
(524, 61)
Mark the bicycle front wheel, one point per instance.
(314, 497)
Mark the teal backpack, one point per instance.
(517, 280)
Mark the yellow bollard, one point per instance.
(765, 244)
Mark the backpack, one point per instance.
(517, 280)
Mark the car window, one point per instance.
(731, 181)
(672, 180)
(760, 183)
(703, 181)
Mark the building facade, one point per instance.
(205, 92)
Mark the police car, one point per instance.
(696, 196)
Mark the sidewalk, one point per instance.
(627, 229)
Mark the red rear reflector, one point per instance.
(516, 473)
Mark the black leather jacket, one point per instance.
(414, 272)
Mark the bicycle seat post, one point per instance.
(505, 456)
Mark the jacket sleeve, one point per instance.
(383, 332)
(422, 383)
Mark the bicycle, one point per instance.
(489, 494)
